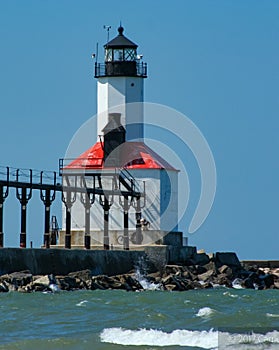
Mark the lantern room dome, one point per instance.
(120, 41)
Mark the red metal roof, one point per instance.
(135, 155)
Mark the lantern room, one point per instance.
(121, 58)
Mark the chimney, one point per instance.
(114, 136)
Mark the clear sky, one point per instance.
(214, 61)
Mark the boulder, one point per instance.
(268, 280)
(225, 269)
(19, 279)
(4, 287)
(229, 259)
(170, 287)
(206, 275)
(223, 280)
(83, 275)
(200, 259)
(41, 282)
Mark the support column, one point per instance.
(68, 198)
(47, 196)
(47, 219)
(23, 194)
(68, 228)
(87, 238)
(23, 219)
(139, 236)
(4, 191)
(106, 224)
(126, 225)
(1, 218)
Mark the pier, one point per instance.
(101, 185)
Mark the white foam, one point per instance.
(230, 295)
(54, 288)
(153, 337)
(236, 284)
(272, 315)
(205, 312)
(146, 285)
(180, 337)
(82, 303)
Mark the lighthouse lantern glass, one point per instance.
(109, 55)
(129, 54)
(118, 55)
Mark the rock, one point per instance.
(222, 280)
(200, 269)
(166, 280)
(42, 281)
(210, 266)
(19, 279)
(268, 280)
(170, 287)
(225, 269)
(200, 259)
(95, 285)
(207, 285)
(83, 275)
(206, 276)
(172, 269)
(4, 287)
(229, 259)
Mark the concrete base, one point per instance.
(63, 261)
(150, 237)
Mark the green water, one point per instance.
(154, 319)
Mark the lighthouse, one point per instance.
(119, 148)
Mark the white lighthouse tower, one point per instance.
(120, 83)
(120, 145)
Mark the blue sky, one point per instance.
(214, 61)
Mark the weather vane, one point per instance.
(107, 27)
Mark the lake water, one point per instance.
(198, 319)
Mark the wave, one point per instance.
(179, 337)
(272, 315)
(82, 303)
(153, 337)
(204, 312)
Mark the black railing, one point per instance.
(121, 68)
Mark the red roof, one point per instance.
(135, 155)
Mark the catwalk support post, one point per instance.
(68, 198)
(87, 199)
(47, 196)
(23, 194)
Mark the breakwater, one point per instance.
(130, 271)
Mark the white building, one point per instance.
(120, 122)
